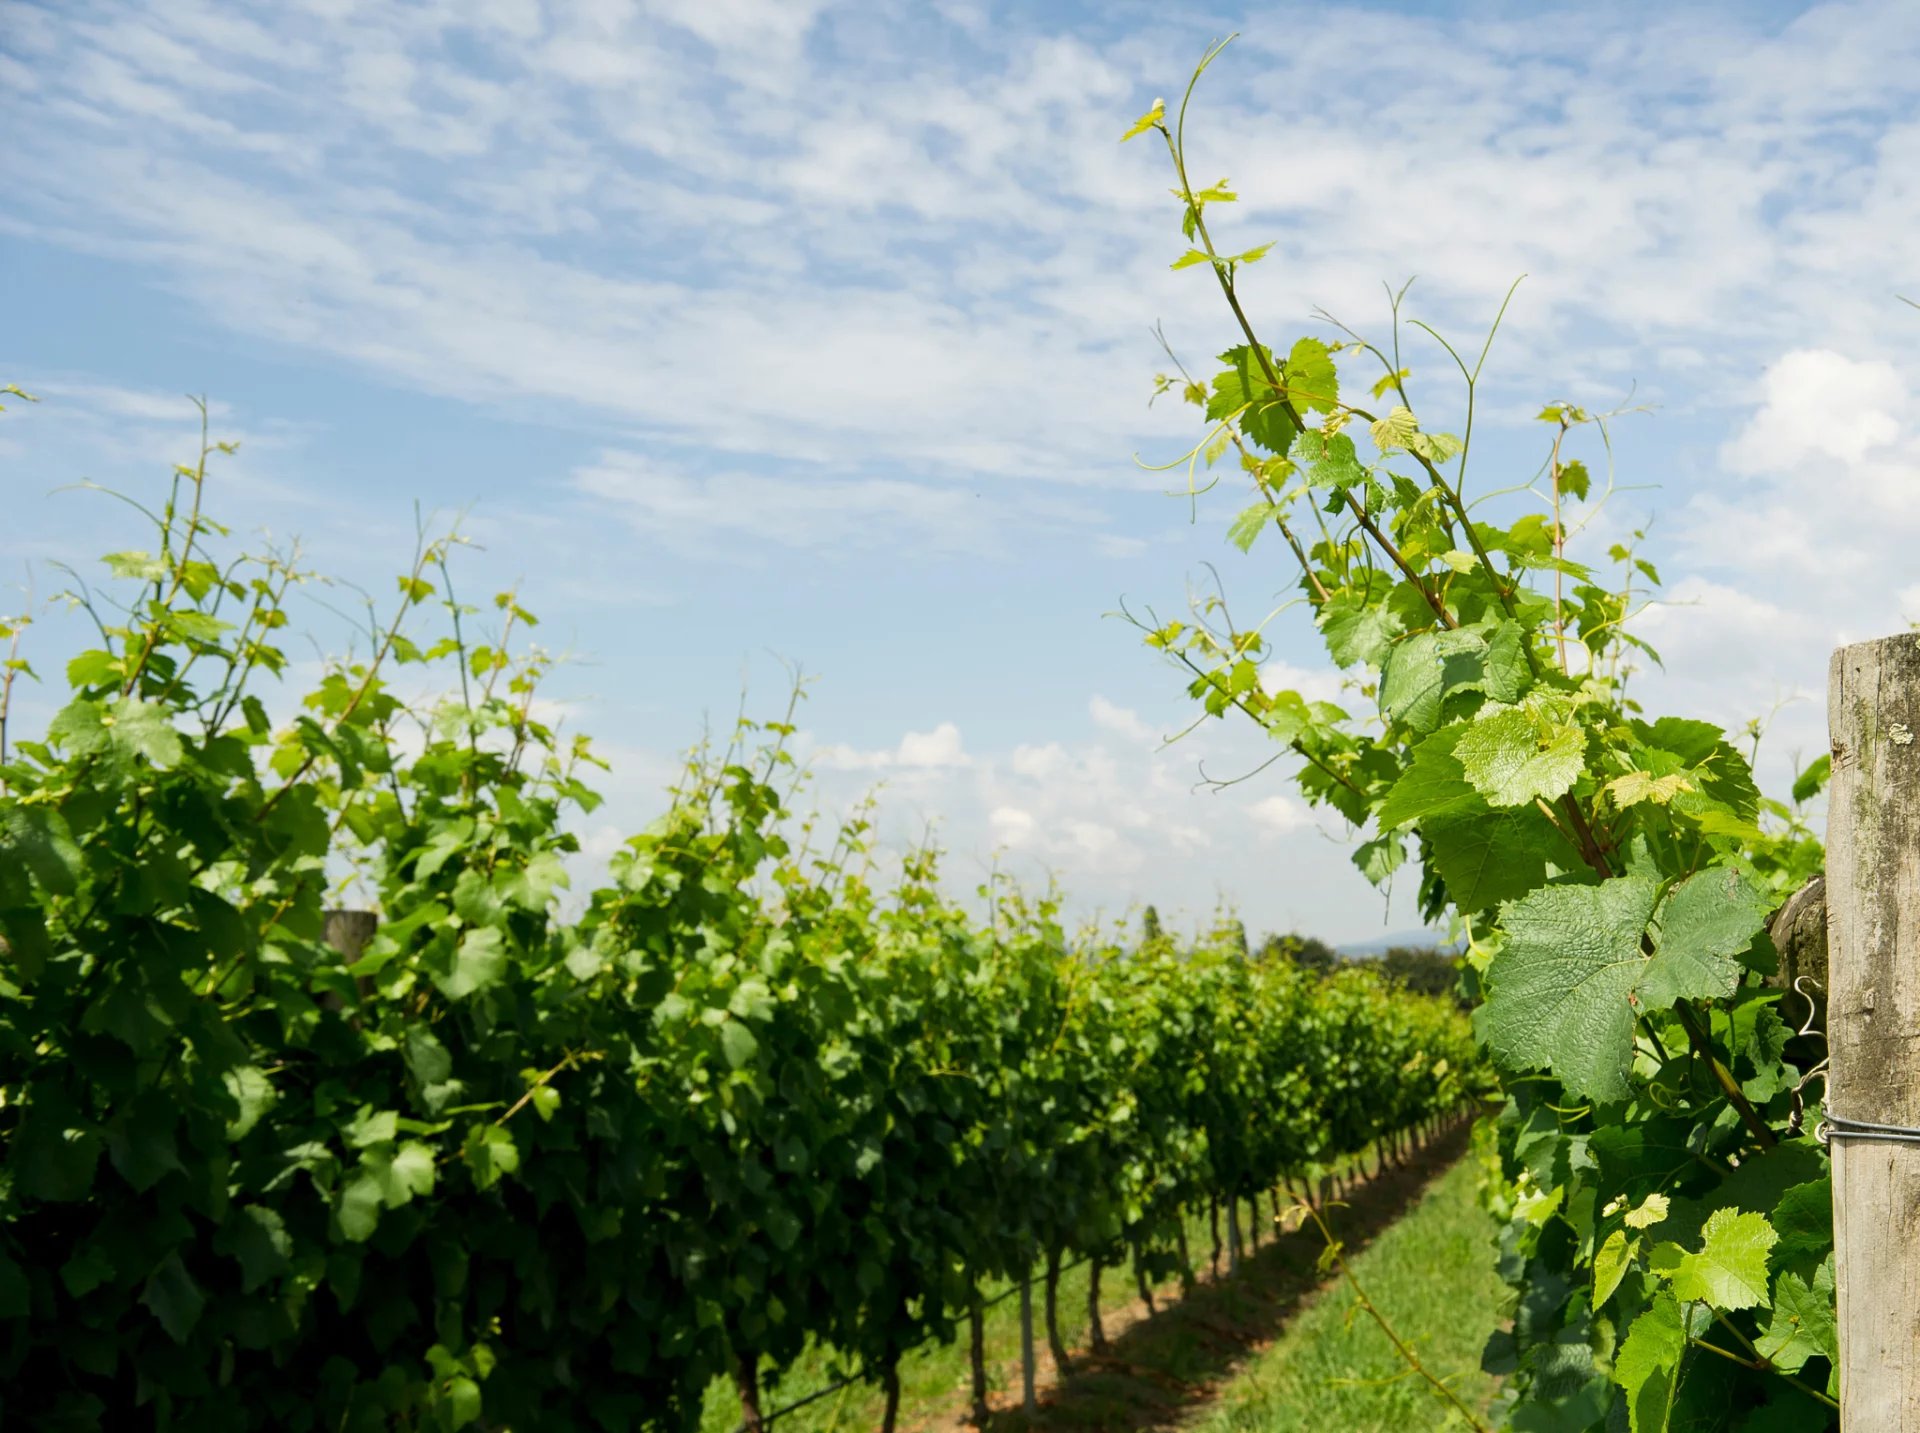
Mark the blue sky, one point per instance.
(746, 331)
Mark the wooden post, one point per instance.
(1055, 1344)
(1096, 1335)
(977, 1360)
(349, 932)
(1026, 1342)
(746, 1379)
(1873, 1025)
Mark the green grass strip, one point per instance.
(1431, 1273)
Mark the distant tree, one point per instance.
(1425, 969)
(1306, 951)
(1237, 938)
(1150, 926)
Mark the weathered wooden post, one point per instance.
(1873, 1027)
(349, 932)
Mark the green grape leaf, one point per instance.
(96, 668)
(1648, 1212)
(1250, 524)
(737, 1043)
(1638, 786)
(1760, 1038)
(1504, 672)
(1758, 1186)
(145, 729)
(1146, 121)
(427, 1058)
(174, 1298)
(1512, 762)
(257, 1237)
(39, 840)
(1270, 425)
(490, 1153)
(1434, 783)
(87, 1270)
(478, 962)
(140, 1140)
(252, 1094)
(1803, 1324)
(1648, 1364)
(1610, 1265)
(1706, 921)
(1243, 388)
(385, 1179)
(1394, 430)
(1560, 990)
(463, 1402)
(1487, 857)
(1358, 632)
(1312, 381)
(1412, 683)
(1811, 782)
(1332, 462)
(1575, 481)
(1380, 858)
(1730, 1270)
(1804, 1221)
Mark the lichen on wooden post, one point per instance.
(1873, 1026)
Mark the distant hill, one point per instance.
(1380, 944)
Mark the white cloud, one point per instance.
(1280, 815)
(1316, 684)
(1119, 720)
(1819, 404)
(1010, 826)
(917, 751)
(708, 513)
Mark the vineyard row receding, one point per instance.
(498, 1168)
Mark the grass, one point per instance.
(1431, 1274)
(1160, 1370)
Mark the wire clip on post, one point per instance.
(1834, 1127)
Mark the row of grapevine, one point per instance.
(508, 1170)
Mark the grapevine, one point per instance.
(1668, 1229)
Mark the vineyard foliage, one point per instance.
(1668, 1228)
(505, 1169)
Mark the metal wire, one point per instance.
(1834, 1127)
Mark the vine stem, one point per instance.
(391, 635)
(1294, 745)
(1559, 551)
(1761, 1365)
(7, 674)
(1406, 1352)
(1703, 1047)
(1293, 542)
(521, 1103)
